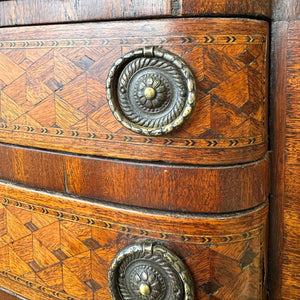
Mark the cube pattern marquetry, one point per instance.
(53, 94)
(66, 255)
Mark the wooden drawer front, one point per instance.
(52, 11)
(53, 89)
(61, 248)
(166, 187)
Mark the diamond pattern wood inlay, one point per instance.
(53, 94)
(42, 249)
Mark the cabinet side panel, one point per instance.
(284, 233)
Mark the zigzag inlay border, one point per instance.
(134, 231)
(96, 42)
(35, 286)
(137, 140)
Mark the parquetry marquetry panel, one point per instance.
(53, 95)
(63, 248)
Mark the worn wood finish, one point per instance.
(285, 229)
(175, 188)
(277, 137)
(172, 188)
(53, 81)
(56, 11)
(5, 295)
(227, 7)
(62, 247)
(59, 244)
(15, 12)
(33, 168)
(291, 256)
(285, 10)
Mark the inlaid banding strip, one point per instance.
(134, 231)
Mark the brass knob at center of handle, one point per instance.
(151, 91)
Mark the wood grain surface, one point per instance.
(227, 7)
(7, 295)
(55, 11)
(53, 89)
(285, 142)
(57, 240)
(15, 12)
(58, 247)
(158, 186)
(288, 10)
(277, 137)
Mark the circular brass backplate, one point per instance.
(151, 91)
(149, 272)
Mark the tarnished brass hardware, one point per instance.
(151, 91)
(145, 289)
(149, 272)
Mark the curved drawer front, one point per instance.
(53, 89)
(15, 13)
(58, 247)
(164, 187)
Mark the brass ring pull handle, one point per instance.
(151, 91)
(151, 272)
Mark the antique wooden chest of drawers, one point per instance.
(134, 149)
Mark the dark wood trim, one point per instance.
(8, 295)
(277, 138)
(158, 186)
(284, 127)
(16, 12)
(286, 10)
